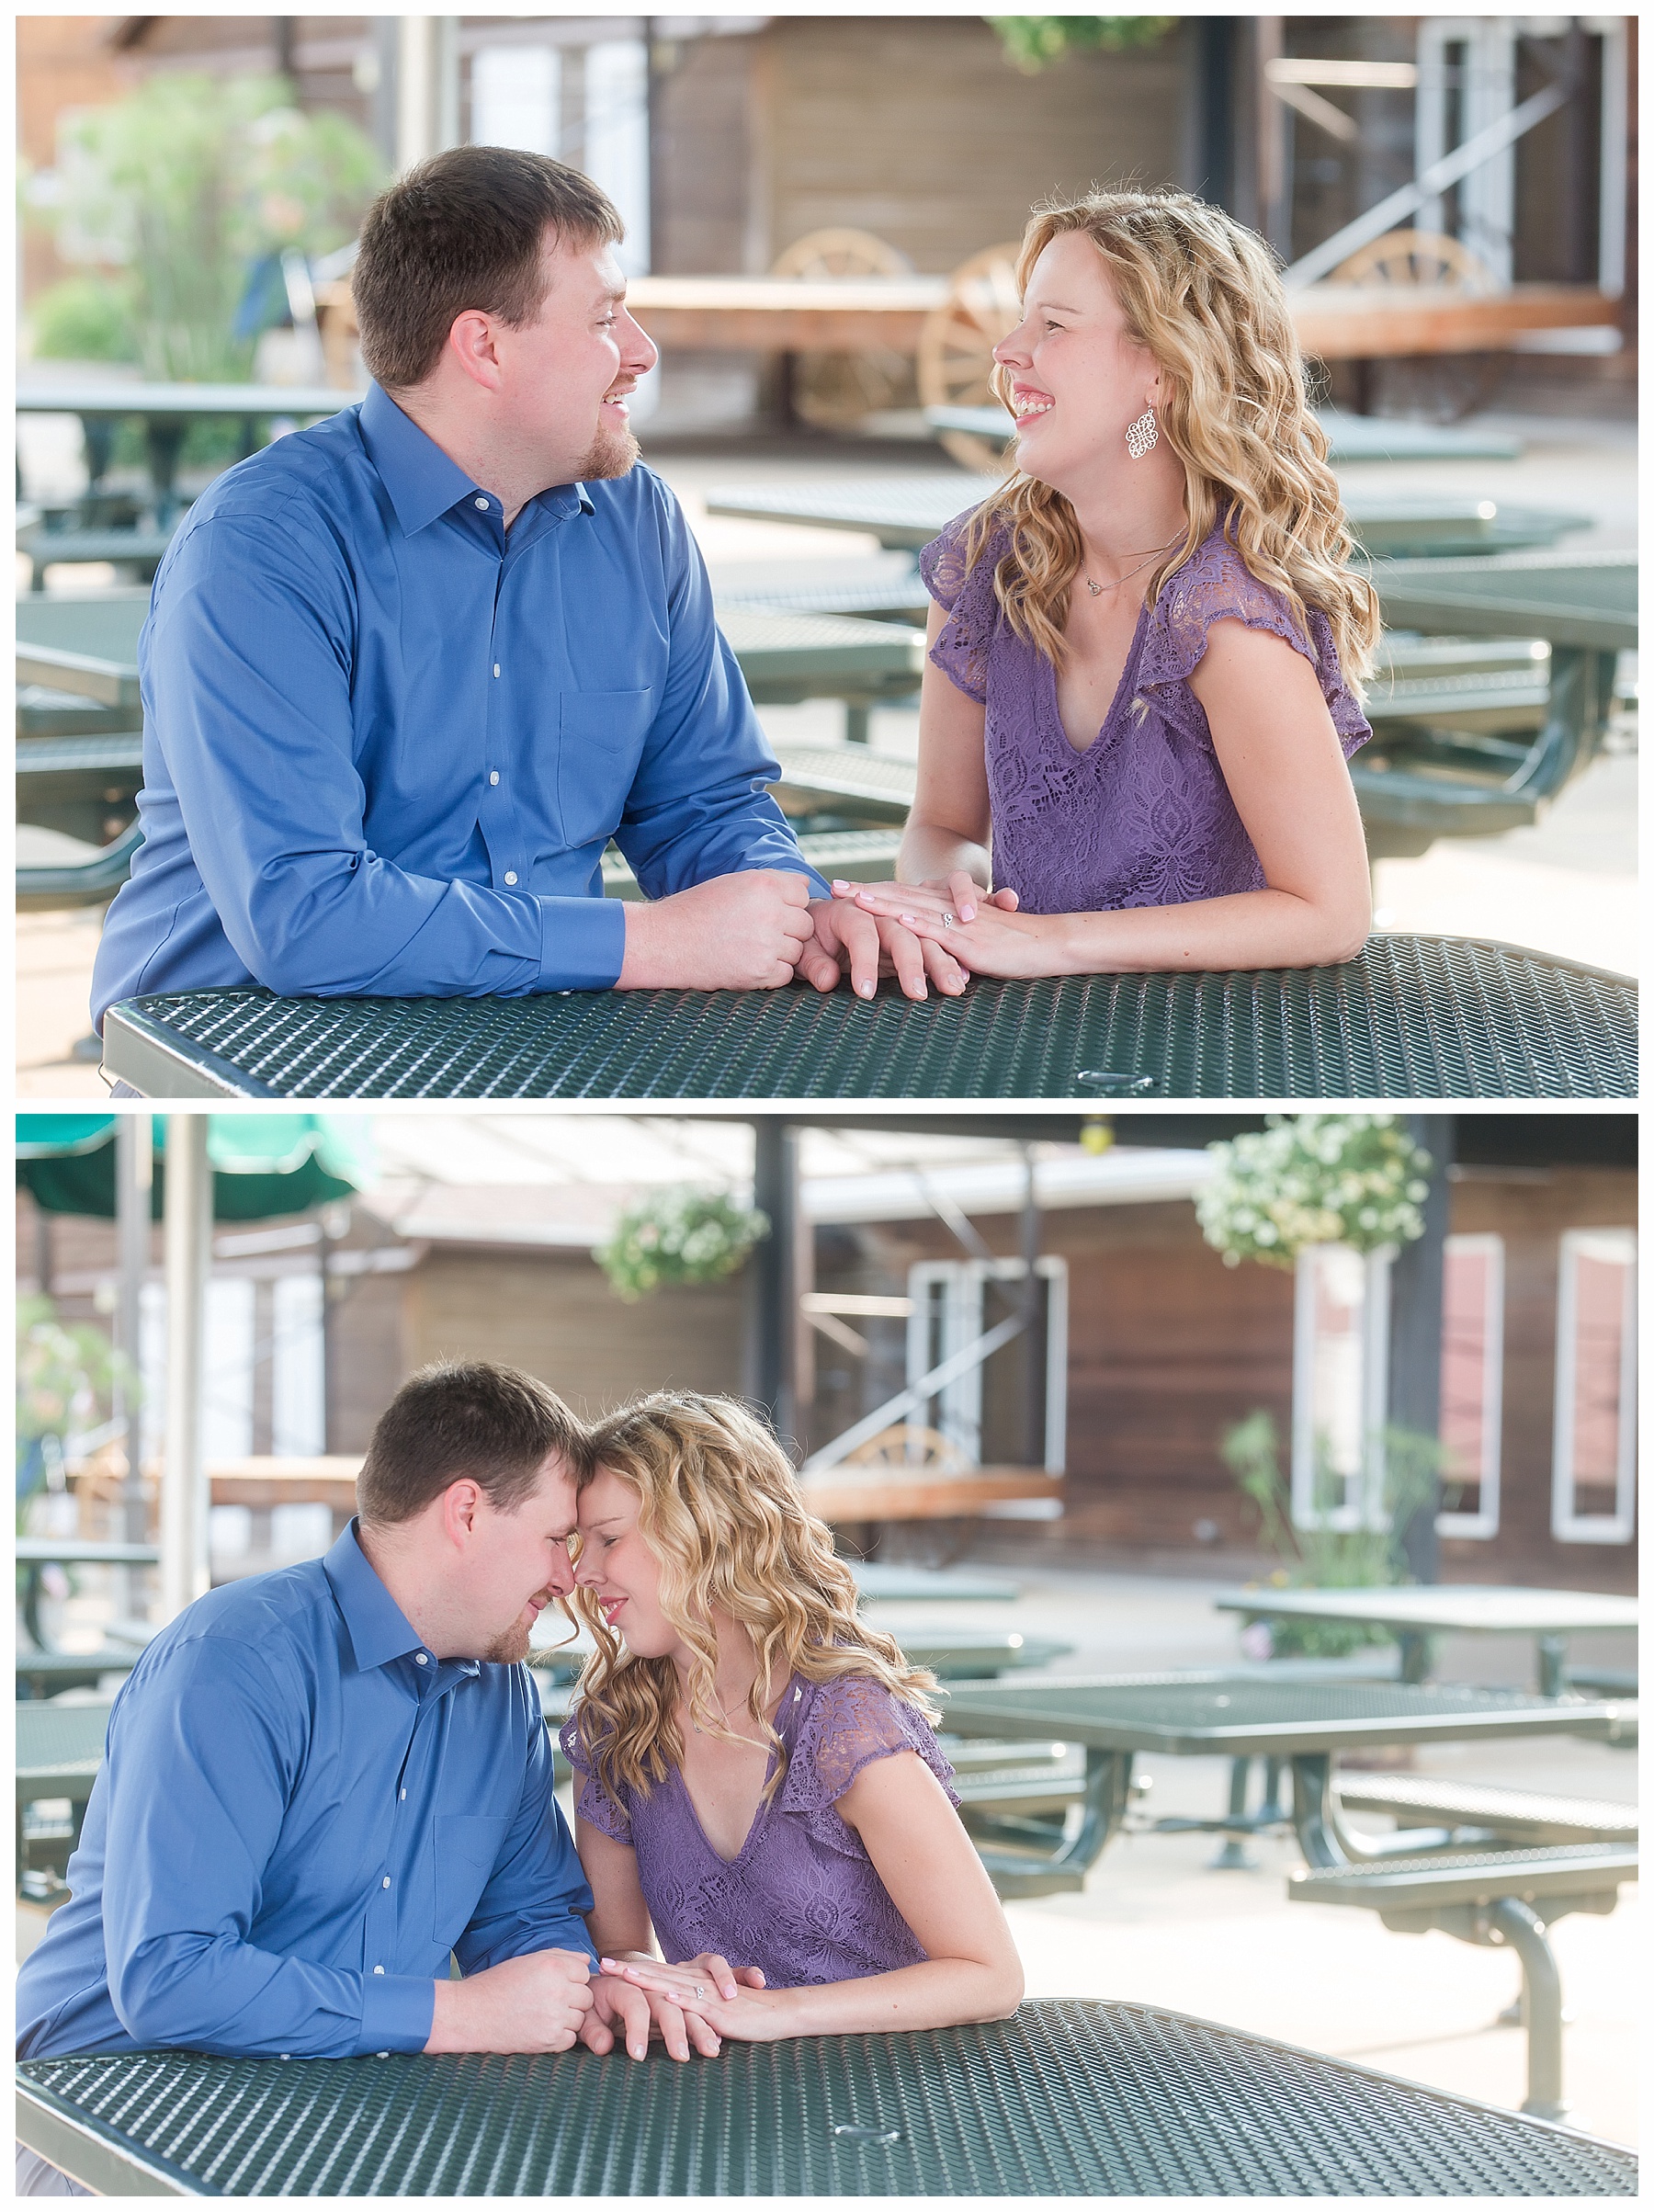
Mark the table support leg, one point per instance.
(1234, 1855)
(1415, 1655)
(1322, 1836)
(1553, 1664)
(1522, 1928)
(857, 715)
(1103, 1808)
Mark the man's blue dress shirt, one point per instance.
(385, 743)
(301, 1812)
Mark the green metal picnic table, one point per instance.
(1062, 2100)
(1351, 437)
(1411, 1017)
(905, 512)
(166, 412)
(33, 1553)
(1414, 1614)
(1240, 1715)
(59, 1751)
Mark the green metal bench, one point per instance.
(84, 787)
(56, 871)
(1350, 437)
(1489, 1814)
(1601, 1682)
(135, 552)
(1062, 2100)
(882, 587)
(41, 1674)
(59, 1751)
(1496, 1898)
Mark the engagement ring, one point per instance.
(699, 1991)
(948, 921)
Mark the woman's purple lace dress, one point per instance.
(1143, 817)
(802, 1900)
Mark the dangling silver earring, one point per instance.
(1143, 435)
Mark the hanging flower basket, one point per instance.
(678, 1236)
(1354, 1179)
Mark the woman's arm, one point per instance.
(946, 832)
(1286, 772)
(937, 1882)
(618, 1921)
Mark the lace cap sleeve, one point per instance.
(960, 651)
(593, 1803)
(852, 1723)
(1216, 585)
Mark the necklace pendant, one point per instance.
(1095, 589)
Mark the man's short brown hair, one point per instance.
(464, 1418)
(465, 229)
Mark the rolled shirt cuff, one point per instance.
(582, 944)
(397, 2012)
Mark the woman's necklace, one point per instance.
(1097, 590)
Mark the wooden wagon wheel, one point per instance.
(907, 1447)
(834, 391)
(1417, 257)
(956, 347)
(1438, 387)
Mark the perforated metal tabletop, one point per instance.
(1411, 1017)
(1064, 2100)
(1244, 1717)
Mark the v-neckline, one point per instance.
(789, 1700)
(1126, 683)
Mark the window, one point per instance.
(1339, 1375)
(956, 1301)
(1594, 1460)
(1472, 1384)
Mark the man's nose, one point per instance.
(638, 350)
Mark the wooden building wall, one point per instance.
(555, 1316)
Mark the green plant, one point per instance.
(1322, 1558)
(186, 182)
(1032, 42)
(67, 1374)
(678, 1236)
(1354, 1179)
(84, 319)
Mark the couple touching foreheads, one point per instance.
(321, 1783)
(407, 675)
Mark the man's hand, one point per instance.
(847, 936)
(735, 933)
(535, 2004)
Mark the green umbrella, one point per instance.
(263, 1165)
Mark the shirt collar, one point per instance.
(421, 479)
(378, 1627)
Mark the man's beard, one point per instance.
(611, 453)
(510, 1649)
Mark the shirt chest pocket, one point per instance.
(600, 743)
(466, 1845)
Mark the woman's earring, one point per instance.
(1142, 436)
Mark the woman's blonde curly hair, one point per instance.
(1203, 295)
(721, 1508)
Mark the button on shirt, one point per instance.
(294, 1823)
(386, 741)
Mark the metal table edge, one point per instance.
(161, 2178)
(93, 2153)
(1248, 1601)
(159, 1062)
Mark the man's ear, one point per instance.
(470, 341)
(460, 1502)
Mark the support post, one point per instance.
(1033, 1379)
(134, 1185)
(185, 1571)
(1415, 1346)
(774, 1316)
(1524, 1930)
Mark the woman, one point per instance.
(757, 1777)
(1145, 644)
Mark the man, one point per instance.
(319, 1783)
(406, 674)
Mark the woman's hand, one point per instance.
(999, 942)
(630, 1996)
(707, 1994)
(958, 892)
